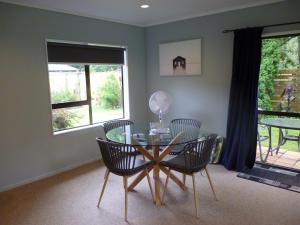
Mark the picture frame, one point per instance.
(180, 58)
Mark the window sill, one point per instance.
(77, 129)
(82, 128)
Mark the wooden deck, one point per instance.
(283, 158)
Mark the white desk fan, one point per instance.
(159, 104)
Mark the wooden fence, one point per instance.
(285, 77)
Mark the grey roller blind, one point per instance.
(73, 53)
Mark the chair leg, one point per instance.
(298, 141)
(195, 195)
(106, 171)
(104, 185)
(183, 178)
(281, 141)
(211, 184)
(125, 179)
(149, 182)
(165, 187)
(259, 146)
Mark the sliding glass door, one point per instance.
(278, 140)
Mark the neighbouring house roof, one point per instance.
(61, 68)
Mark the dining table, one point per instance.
(280, 123)
(154, 144)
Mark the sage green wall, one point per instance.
(28, 148)
(206, 97)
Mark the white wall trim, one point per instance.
(46, 175)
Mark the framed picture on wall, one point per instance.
(181, 58)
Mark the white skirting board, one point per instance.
(49, 174)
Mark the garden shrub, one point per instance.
(109, 93)
(63, 96)
(63, 119)
(277, 53)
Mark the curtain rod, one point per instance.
(272, 25)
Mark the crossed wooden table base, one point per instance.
(157, 157)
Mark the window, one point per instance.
(86, 84)
(279, 92)
(279, 79)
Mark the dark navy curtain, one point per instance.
(240, 147)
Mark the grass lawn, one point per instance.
(100, 114)
(289, 145)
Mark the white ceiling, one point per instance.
(129, 12)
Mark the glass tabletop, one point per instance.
(154, 137)
(287, 123)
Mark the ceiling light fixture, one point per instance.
(144, 6)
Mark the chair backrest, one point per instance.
(197, 153)
(118, 158)
(109, 125)
(183, 124)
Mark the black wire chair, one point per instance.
(194, 158)
(112, 124)
(121, 160)
(285, 136)
(261, 138)
(182, 125)
(118, 124)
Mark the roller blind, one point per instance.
(73, 53)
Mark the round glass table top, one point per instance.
(285, 122)
(153, 137)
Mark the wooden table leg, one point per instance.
(156, 169)
(138, 179)
(174, 178)
(157, 185)
(156, 176)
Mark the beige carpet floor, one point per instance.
(70, 198)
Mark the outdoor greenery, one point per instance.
(104, 68)
(64, 95)
(290, 57)
(99, 68)
(277, 53)
(63, 119)
(106, 97)
(109, 92)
